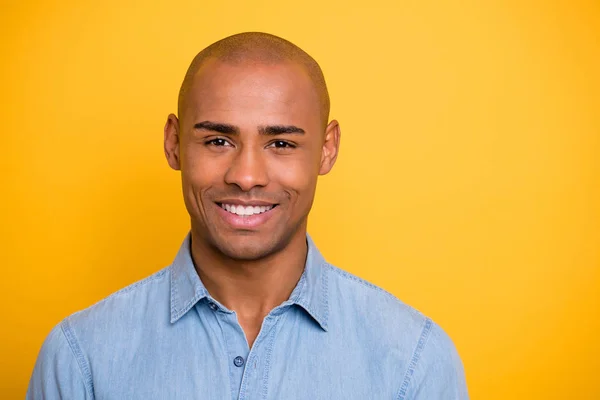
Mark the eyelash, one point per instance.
(285, 144)
(212, 142)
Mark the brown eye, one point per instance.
(282, 144)
(218, 142)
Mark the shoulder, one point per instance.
(435, 370)
(122, 316)
(381, 317)
(126, 307)
(430, 364)
(63, 362)
(350, 294)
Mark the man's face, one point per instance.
(251, 145)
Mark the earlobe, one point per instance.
(331, 146)
(171, 142)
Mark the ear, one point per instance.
(331, 146)
(172, 142)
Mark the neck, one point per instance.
(251, 288)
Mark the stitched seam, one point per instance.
(252, 356)
(301, 300)
(325, 296)
(151, 278)
(174, 296)
(226, 348)
(176, 311)
(415, 358)
(268, 352)
(156, 276)
(188, 306)
(363, 282)
(301, 289)
(369, 285)
(84, 368)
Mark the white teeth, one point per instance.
(245, 211)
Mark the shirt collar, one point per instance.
(310, 293)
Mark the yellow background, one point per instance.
(468, 182)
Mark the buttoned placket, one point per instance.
(248, 368)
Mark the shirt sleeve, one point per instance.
(57, 374)
(438, 373)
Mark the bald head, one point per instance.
(257, 48)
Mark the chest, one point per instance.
(291, 358)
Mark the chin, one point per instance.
(247, 249)
(247, 246)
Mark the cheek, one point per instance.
(296, 174)
(199, 169)
(198, 175)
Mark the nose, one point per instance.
(248, 169)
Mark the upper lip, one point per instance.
(246, 203)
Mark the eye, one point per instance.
(218, 142)
(282, 144)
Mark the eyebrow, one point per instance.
(270, 130)
(217, 127)
(273, 130)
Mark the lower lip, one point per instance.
(247, 221)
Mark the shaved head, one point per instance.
(252, 133)
(257, 48)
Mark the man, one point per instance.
(249, 309)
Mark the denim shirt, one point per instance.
(165, 337)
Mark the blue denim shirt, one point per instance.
(165, 337)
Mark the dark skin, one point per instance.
(251, 134)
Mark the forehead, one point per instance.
(259, 93)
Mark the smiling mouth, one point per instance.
(246, 211)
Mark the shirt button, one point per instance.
(213, 306)
(238, 361)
